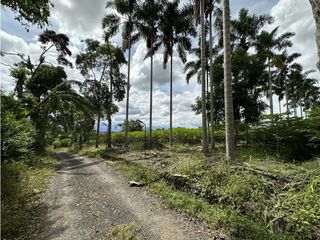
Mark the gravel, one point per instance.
(86, 198)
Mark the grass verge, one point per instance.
(22, 184)
(258, 197)
(226, 222)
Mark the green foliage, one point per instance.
(133, 126)
(299, 211)
(17, 137)
(298, 139)
(36, 12)
(228, 221)
(259, 199)
(45, 79)
(66, 142)
(22, 184)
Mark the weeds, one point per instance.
(124, 232)
(22, 183)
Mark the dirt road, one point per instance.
(87, 197)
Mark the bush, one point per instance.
(66, 142)
(17, 137)
(297, 139)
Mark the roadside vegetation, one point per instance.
(23, 184)
(258, 197)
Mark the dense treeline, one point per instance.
(261, 67)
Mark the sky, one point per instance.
(81, 19)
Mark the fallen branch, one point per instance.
(260, 172)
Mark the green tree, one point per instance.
(229, 119)
(56, 43)
(285, 63)
(100, 65)
(149, 15)
(17, 133)
(35, 12)
(176, 27)
(128, 19)
(267, 43)
(20, 74)
(199, 15)
(211, 10)
(133, 125)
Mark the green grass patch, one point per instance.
(124, 232)
(22, 184)
(220, 219)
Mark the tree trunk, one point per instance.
(98, 129)
(279, 105)
(270, 87)
(128, 89)
(203, 79)
(151, 87)
(170, 137)
(301, 112)
(110, 111)
(287, 97)
(207, 110)
(212, 143)
(315, 4)
(228, 101)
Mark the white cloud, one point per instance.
(296, 16)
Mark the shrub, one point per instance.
(17, 137)
(66, 142)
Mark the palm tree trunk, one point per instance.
(301, 112)
(207, 110)
(151, 87)
(170, 137)
(203, 79)
(212, 143)
(270, 87)
(279, 105)
(315, 4)
(287, 97)
(128, 89)
(228, 101)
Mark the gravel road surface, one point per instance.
(88, 197)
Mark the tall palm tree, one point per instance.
(210, 10)
(228, 102)
(285, 63)
(176, 25)
(315, 4)
(311, 92)
(199, 15)
(149, 15)
(128, 19)
(267, 42)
